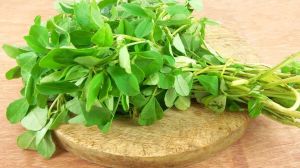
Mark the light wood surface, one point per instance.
(271, 28)
(181, 138)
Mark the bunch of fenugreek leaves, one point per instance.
(96, 61)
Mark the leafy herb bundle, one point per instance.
(94, 62)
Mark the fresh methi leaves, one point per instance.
(126, 83)
(166, 81)
(81, 38)
(35, 120)
(46, 147)
(99, 116)
(170, 97)
(144, 28)
(103, 37)
(13, 73)
(12, 51)
(124, 59)
(255, 107)
(151, 112)
(183, 102)
(17, 110)
(210, 83)
(177, 43)
(215, 103)
(96, 61)
(88, 15)
(181, 85)
(74, 106)
(27, 140)
(93, 89)
(60, 118)
(29, 90)
(134, 9)
(52, 88)
(149, 62)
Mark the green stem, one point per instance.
(53, 104)
(293, 79)
(275, 68)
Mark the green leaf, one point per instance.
(52, 77)
(88, 61)
(125, 27)
(105, 129)
(49, 61)
(109, 103)
(181, 86)
(170, 97)
(47, 147)
(37, 71)
(196, 4)
(104, 36)
(52, 88)
(17, 110)
(144, 28)
(42, 100)
(93, 89)
(67, 56)
(96, 17)
(255, 107)
(139, 100)
(169, 60)
(27, 61)
(59, 119)
(138, 73)
(183, 102)
(76, 72)
(166, 81)
(177, 43)
(79, 119)
(29, 90)
(178, 9)
(35, 120)
(41, 133)
(38, 38)
(105, 3)
(134, 9)
(74, 106)
(124, 59)
(27, 140)
(13, 73)
(86, 14)
(215, 103)
(126, 83)
(151, 112)
(99, 116)
(105, 88)
(235, 107)
(81, 38)
(67, 8)
(210, 83)
(125, 102)
(40, 33)
(152, 79)
(149, 61)
(35, 45)
(12, 51)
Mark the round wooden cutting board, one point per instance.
(180, 138)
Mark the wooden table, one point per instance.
(272, 29)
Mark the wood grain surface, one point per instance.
(272, 29)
